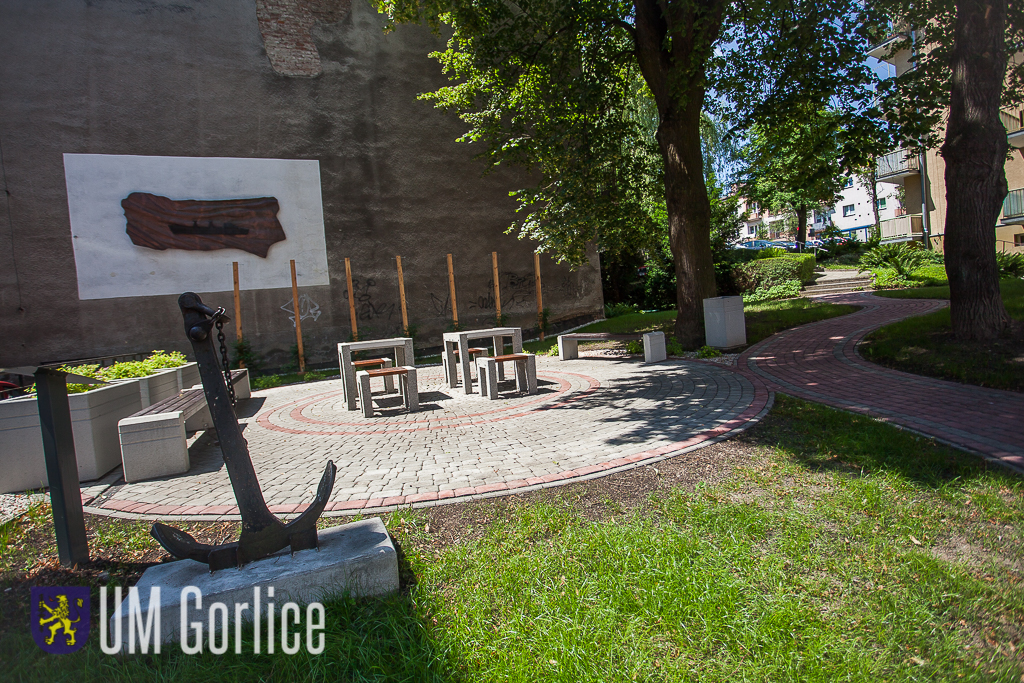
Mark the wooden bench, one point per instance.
(389, 380)
(654, 343)
(474, 353)
(406, 382)
(526, 373)
(154, 440)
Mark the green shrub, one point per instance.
(634, 346)
(314, 376)
(708, 352)
(268, 382)
(673, 347)
(157, 360)
(886, 278)
(902, 257)
(931, 275)
(767, 273)
(783, 290)
(615, 310)
(1010, 265)
(245, 356)
(771, 252)
(807, 265)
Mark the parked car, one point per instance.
(754, 244)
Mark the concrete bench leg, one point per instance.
(409, 389)
(522, 384)
(389, 380)
(487, 372)
(654, 347)
(499, 350)
(153, 446)
(365, 400)
(242, 389)
(568, 349)
(531, 374)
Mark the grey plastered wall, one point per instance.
(191, 78)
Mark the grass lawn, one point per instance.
(925, 345)
(819, 546)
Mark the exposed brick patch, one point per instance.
(286, 27)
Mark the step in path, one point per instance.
(591, 417)
(819, 362)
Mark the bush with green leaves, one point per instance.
(765, 273)
(1010, 265)
(708, 352)
(615, 310)
(784, 290)
(886, 278)
(157, 360)
(634, 346)
(771, 252)
(673, 347)
(268, 382)
(314, 376)
(902, 257)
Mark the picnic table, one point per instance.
(401, 346)
(460, 341)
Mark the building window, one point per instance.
(881, 204)
(849, 183)
(1018, 240)
(848, 210)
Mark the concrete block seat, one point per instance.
(526, 373)
(654, 343)
(407, 386)
(153, 440)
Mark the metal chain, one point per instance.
(224, 359)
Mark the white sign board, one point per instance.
(110, 266)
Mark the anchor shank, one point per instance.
(251, 504)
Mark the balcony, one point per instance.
(895, 166)
(887, 36)
(1014, 125)
(1013, 208)
(902, 228)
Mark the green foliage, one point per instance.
(266, 382)
(902, 257)
(708, 352)
(783, 290)
(673, 347)
(314, 376)
(245, 356)
(545, 317)
(769, 272)
(634, 346)
(771, 252)
(157, 360)
(615, 310)
(1010, 265)
(886, 278)
(411, 331)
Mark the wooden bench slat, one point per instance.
(511, 356)
(384, 372)
(369, 361)
(189, 401)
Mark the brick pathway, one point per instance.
(819, 362)
(591, 417)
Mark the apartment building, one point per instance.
(923, 175)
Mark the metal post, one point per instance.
(61, 466)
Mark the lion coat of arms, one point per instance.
(60, 618)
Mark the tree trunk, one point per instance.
(801, 226)
(877, 230)
(975, 151)
(672, 50)
(689, 222)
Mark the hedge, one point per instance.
(770, 272)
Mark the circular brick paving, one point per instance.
(590, 417)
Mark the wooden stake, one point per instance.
(298, 319)
(351, 302)
(451, 286)
(540, 300)
(238, 310)
(401, 295)
(497, 287)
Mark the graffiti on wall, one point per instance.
(307, 309)
(367, 308)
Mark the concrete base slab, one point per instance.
(357, 558)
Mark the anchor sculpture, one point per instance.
(262, 534)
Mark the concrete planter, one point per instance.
(94, 417)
